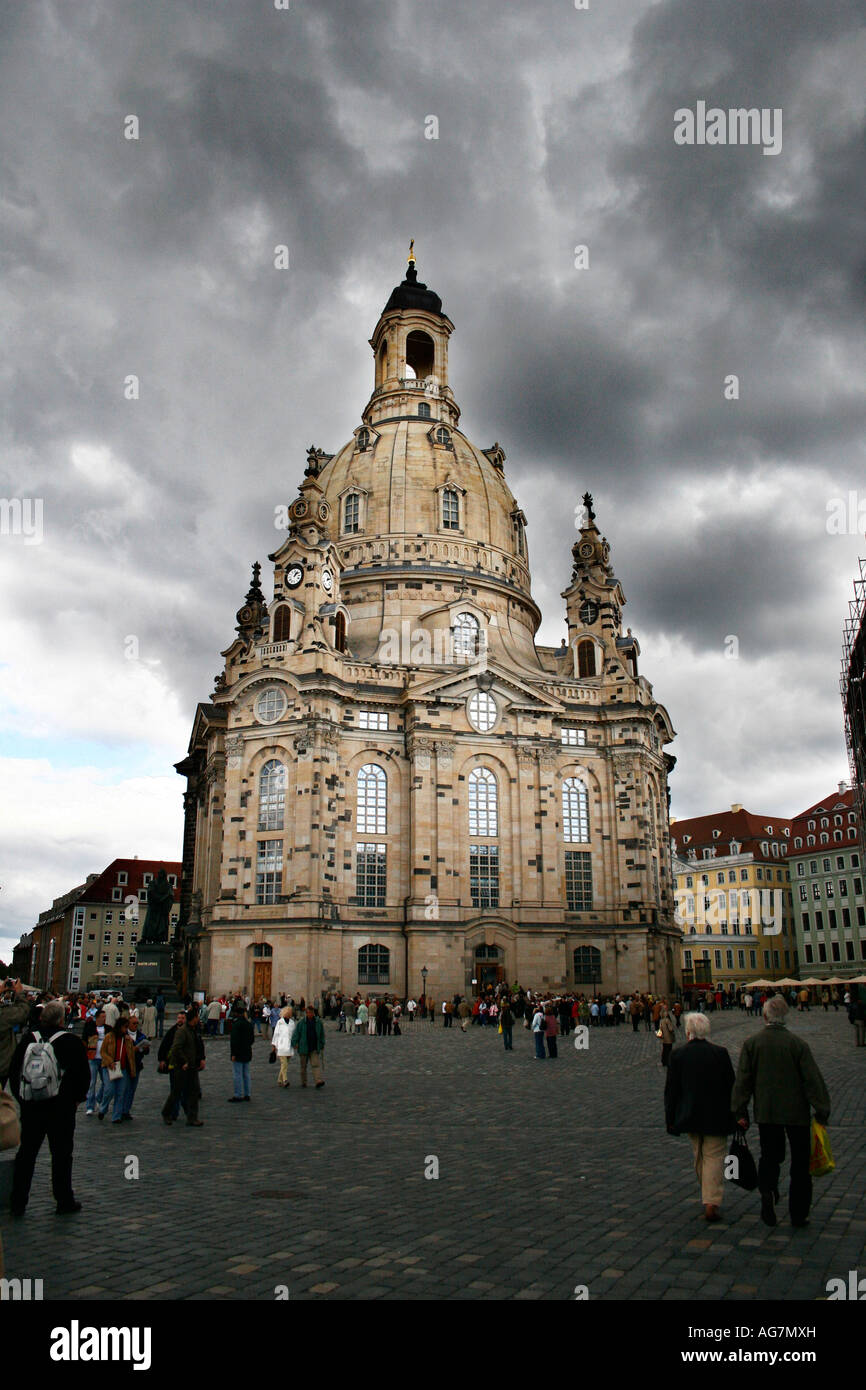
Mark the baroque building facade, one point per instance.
(392, 785)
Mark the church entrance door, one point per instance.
(261, 979)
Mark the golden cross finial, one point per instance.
(411, 252)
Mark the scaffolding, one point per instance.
(853, 690)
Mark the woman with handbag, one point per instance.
(281, 1043)
(698, 1103)
(118, 1059)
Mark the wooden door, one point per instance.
(261, 979)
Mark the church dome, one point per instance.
(419, 515)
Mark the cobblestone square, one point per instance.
(551, 1175)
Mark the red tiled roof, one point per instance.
(839, 802)
(100, 890)
(749, 830)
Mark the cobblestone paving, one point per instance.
(551, 1175)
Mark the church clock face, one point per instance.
(294, 576)
(327, 581)
(588, 612)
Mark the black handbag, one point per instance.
(745, 1173)
(272, 1057)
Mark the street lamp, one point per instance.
(424, 973)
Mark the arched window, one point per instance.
(482, 802)
(282, 623)
(420, 353)
(450, 509)
(363, 439)
(443, 436)
(586, 659)
(340, 632)
(352, 513)
(466, 630)
(575, 812)
(374, 965)
(424, 410)
(372, 800)
(272, 795)
(587, 965)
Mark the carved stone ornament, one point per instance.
(526, 753)
(444, 751)
(622, 767)
(420, 751)
(234, 750)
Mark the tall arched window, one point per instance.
(466, 632)
(586, 659)
(272, 795)
(372, 800)
(424, 410)
(587, 965)
(282, 623)
(483, 818)
(575, 812)
(450, 510)
(340, 632)
(374, 965)
(352, 513)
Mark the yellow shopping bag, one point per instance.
(821, 1160)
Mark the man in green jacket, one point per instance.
(310, 1042)
(778, 1069)
(183, 1065)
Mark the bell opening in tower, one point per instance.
(419, 355)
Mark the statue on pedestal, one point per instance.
(160, 900)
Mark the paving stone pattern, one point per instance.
(551, 1175)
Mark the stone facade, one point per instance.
(389, 761)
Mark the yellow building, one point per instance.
(734, 900)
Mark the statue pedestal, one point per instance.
(154, 962)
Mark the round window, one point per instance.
(270, 705)
(482, 711)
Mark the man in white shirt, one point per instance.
(112, 1013)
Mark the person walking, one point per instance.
(148, 1020)
(14, 1016)
(141, 1045)
(551, 1028)
(506, 1023)
(213, 1017)
(668, 1034)
(698, 1103)
(282, 1042)
(311, 1046)
(857, 1016)
(634, 1010)
(184, 1065)
(92, 1037)
(537, 1027)
(464, 1009)
(159, 1010)
(779, 1071)
(53, 1117)
(117, 1055)
(241, 1049)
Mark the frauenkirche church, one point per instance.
(391, 776)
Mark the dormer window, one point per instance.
(687, 839)
(443, 436)
(363, 439)
(450, 509)
(716, 834)
(352, 514)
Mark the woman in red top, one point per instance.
(118, 1059)
(551, 1028)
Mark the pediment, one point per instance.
(459, 685)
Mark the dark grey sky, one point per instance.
(307, 127)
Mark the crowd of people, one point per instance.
(57, 1054)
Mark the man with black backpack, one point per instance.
(50, 1077)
